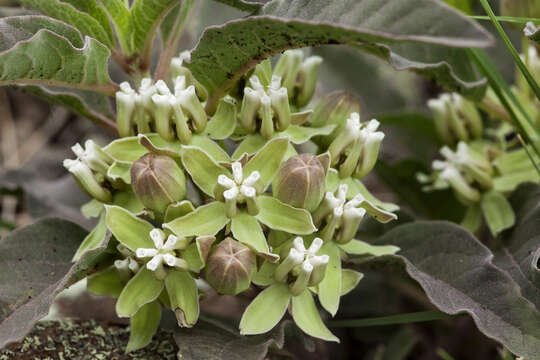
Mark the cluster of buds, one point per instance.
(157, 181)
(183, 109)
(155, 107)
(355, 149)
(337, 218)
(267, 110)
(231, 265)
(238, 191)
(164, 252)
(467, 171)
(456, 118)
(299, 75)
(302, 267)
(90, 169)
(301, 182)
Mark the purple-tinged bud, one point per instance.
(301, 182)
(333, 109)
(158, 181)
(230, 267)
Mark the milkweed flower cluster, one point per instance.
(261, 188)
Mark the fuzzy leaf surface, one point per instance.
(427, 38)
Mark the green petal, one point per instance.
(128, 201)
(266, 310)
(349, 280)
(250, 145)
(178, 209)
(280, 216)
(247, 230)
(265, 275)
(94, 239)
(206, 220)
(267, 162)
(197, 252)
(184, 297)
(356, 187)
(301, 134)
(210, 147)
(128, 229)
(330, 286)
(143, 326)
(120, 170)
(307, 317)
(472, 220)
(202, 168)
(222, 124)
(358, 247)
(332, 180)
(129, 149)
(509, 182)
(106, 282)
(140, 290)
(497, 211)
(92, 209)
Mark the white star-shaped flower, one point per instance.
(162, 253)
(238, 184)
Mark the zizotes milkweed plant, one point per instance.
(225, 199)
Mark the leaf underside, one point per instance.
(35, 265)
(459, 274)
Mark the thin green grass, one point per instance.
(392, 320)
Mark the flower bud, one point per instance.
(301, 182)
(230, 267)
(456, 118)
(334, 109)
(308, 75)
(158, 181)
(87, 180)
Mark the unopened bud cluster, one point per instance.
(355, 149)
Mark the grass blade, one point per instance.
(392, 320)
(511, 19)
(532, 82)
(502, 90)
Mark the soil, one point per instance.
(86, 340)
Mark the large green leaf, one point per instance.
(520, 258)
(458, 274)
(86, 15)
(118, 12)
(211, 340)
(35, 265)
(36, 50)
(146, 16)
(426, 39)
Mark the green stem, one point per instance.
(415, 317)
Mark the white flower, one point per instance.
(239, 185)
(343, 208)
(309, 257)
(92, 156)
(162, 253)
